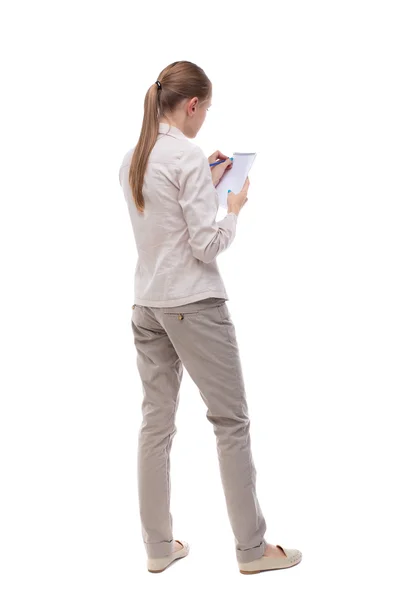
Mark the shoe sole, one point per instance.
(160, 562)
(291, 563)
(273, 569)
(171, 563)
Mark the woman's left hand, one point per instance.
(219, 170)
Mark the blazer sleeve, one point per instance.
(199, 202)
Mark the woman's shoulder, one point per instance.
(192, 153)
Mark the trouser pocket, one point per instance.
(194, 308)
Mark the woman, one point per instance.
(180, 317)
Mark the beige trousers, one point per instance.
(201, 337)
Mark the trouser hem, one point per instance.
(159, 549)
(251, 554)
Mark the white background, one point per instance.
(312, 277)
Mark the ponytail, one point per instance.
(179, 80)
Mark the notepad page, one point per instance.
(234, 178)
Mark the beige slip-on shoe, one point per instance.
(268, 563)
(157, 565)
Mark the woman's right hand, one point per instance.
(237, 201)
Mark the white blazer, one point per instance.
(177, 237)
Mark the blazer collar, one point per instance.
(171, 130)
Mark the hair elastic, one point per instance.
(159, 85)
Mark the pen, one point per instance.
(218, 162)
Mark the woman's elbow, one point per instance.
(207, 254)
(205, 257)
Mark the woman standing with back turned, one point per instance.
(180, 317)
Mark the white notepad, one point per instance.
(236, 176)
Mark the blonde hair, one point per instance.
(179, 80)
